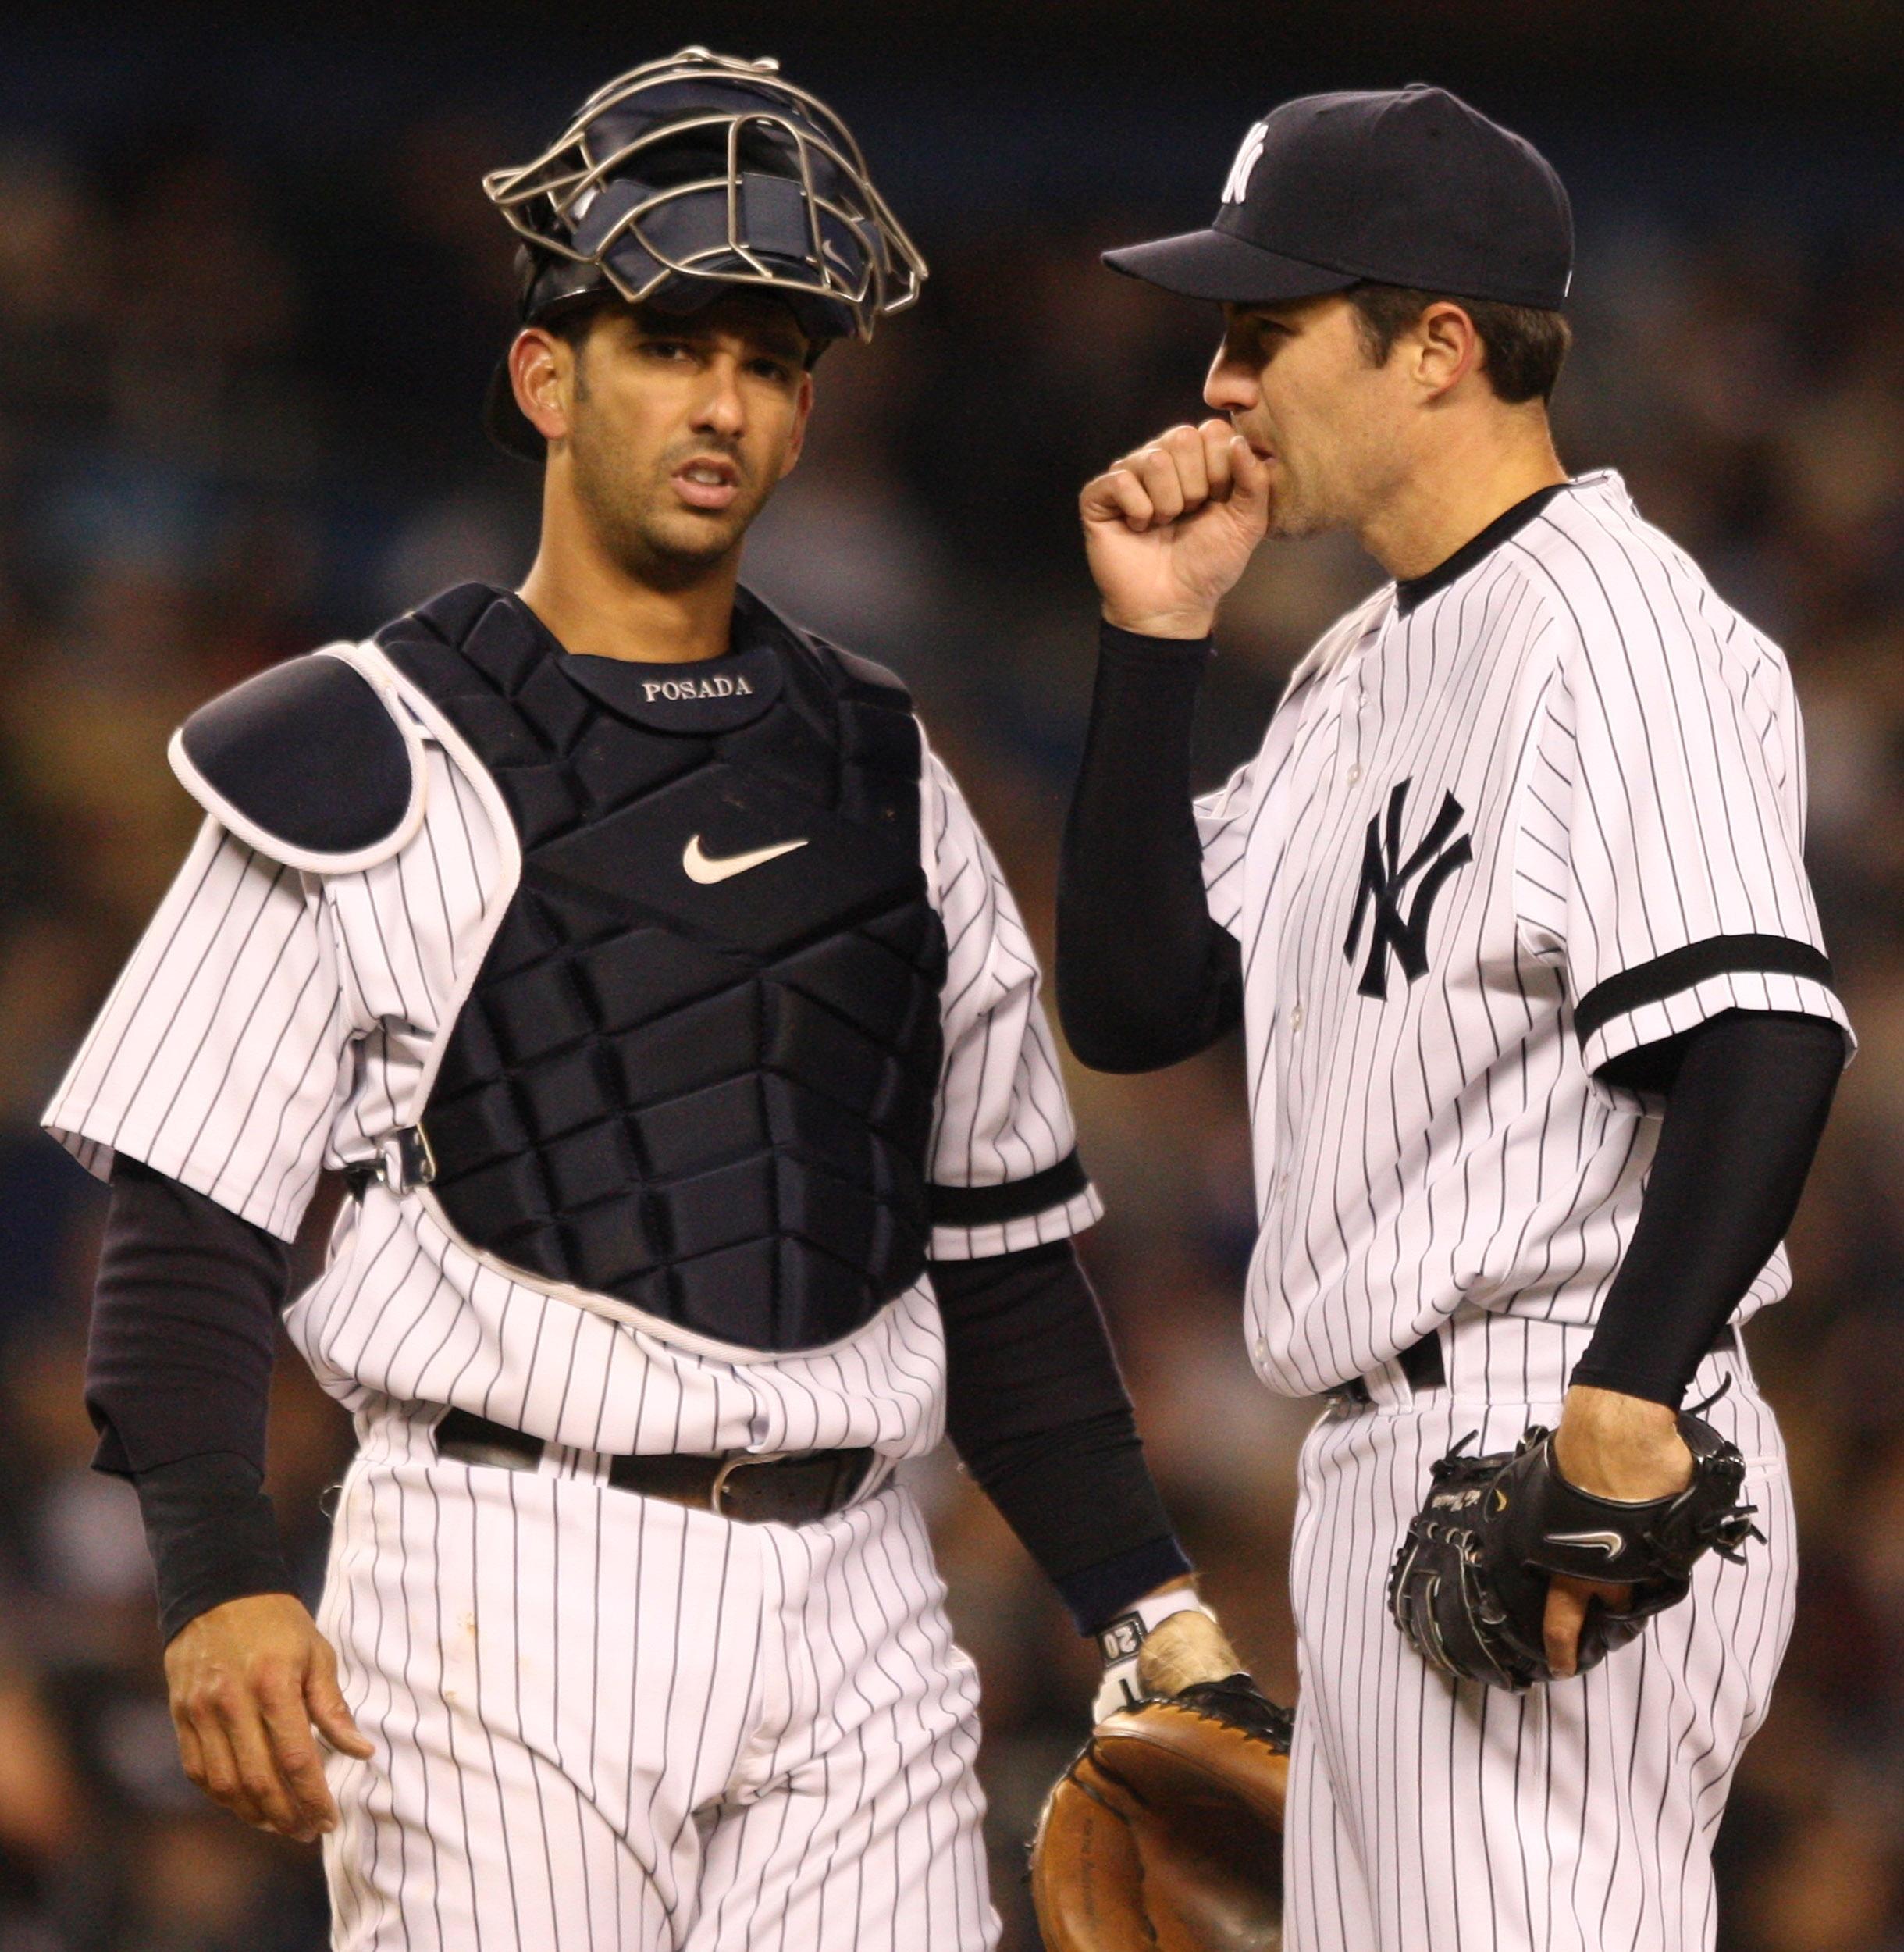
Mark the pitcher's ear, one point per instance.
(1446, 345)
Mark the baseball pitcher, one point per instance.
(1541, 1037)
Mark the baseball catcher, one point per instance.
(1470, 1585)
(628, 952)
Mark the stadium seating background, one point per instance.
(249, 295)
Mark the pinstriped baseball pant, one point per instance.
(603, 1721)
(1427, 1816)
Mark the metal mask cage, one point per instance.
(547, 201)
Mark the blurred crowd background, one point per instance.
(249, 295)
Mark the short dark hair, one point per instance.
(1526, 346)
(573, 323)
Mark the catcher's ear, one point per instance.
(803, 410)
(541, 373)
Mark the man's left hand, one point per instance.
(1617, 1447)
(1180, 1651)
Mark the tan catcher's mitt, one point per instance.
(1165, 1835)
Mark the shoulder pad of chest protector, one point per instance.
(308, 762)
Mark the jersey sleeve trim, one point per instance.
(1686, 968)
(1013, 1199)
(952, 1243)
(1678, 991)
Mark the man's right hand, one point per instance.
(1169, 528)
(249, 1680)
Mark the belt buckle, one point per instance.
(717, 1491)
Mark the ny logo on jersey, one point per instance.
(1385, 881)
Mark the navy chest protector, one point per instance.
(697, 1069)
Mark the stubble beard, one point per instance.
(1303, 508)
(643, 529)
(1293, 511)
(1293, 516)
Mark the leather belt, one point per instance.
(796, 1490)
(1421, 1362)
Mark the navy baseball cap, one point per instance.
(1398, 187)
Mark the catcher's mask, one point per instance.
(693, 176)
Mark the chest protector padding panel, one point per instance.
(708, 1097)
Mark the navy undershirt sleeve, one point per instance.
(1037, 1410)
(1144, 977)
(178, 1378)
(1747, 1095)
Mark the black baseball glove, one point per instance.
(1469, 1586)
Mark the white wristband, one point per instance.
(1123, 1639)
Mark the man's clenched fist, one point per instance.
(249, 1680)
(1618, 1447)
(1169, 528)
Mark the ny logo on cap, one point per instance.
(1236, 185)
(1385, 881)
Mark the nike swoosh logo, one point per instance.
(707, 869)
(1607, 1542)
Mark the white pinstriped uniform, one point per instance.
(1568, 782)
(600, 1719)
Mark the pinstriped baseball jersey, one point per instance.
(1507, 827)
(272, 1024)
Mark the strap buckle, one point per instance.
(404, 1160)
